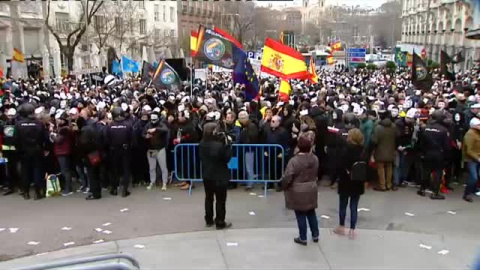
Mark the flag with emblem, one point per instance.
(116, 67)
(165, 77)
(284, 91)
(337, 46)
(311, 69)
(400, 57)
(193, 42)
(147, 71)
(128, 65)
(244, 74)
(282, 61)
(213, 48)
(18, 55)
(446, 66)
(228, 36)
(421, 78)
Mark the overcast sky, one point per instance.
(362, 3)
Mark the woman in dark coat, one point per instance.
(347, 188)
(301, 192)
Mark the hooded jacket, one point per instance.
(384, 141)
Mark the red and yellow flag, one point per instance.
(282, 61)
(228, 36)
(193, 42)
(285, 91)
(336, 46)
(330, 60)
(311, 69)
(1, 73)
(18, 56)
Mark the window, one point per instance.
(99, 23)
(118, 25)
(143, 26)
(156, 13)
(167, 32)
(157, 34)
(164, 13)
(172, 14)
(172, 33)
(62, 22)
(141, 4)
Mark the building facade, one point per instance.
(128, 27)
(445, 29)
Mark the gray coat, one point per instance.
(300, 182)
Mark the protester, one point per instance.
(300, 185)
(471, 155)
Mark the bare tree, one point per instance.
(72, 38)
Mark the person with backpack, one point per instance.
(353, 174)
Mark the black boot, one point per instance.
(38, 195)
(224, 225)
(113, 192)
(125, 193)
(421, 193)
(437, 197)
(8, 192)
(26, 195)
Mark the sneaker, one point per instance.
(477, 194)
(421, 193)
(66, 194)
(467, 199)
(352, 234)
(339, 230)
(152, 185)
(164, 187)
(81, 189)
(437, 197)
(86, 191)
(185, 187)
(300, 242)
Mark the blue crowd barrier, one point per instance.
(250, 163)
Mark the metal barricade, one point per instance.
(102, 262)
(250, 163)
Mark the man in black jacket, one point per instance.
(30, 137)
(433, 143)
(157, 136)
(215, 157)
(7, 129)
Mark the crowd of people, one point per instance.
(122, 133)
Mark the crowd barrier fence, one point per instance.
(250, 164)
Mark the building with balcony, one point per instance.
(447, 25)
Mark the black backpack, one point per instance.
(359, 171)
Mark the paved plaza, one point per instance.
(165, 230)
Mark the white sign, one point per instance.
(201, 74)
(217, 69)
(86, 71)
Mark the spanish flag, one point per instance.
(193, 42)
(330, 60)
(282, 61)
(337, 46)
(284, 91)
(18, 56)
(314, 76)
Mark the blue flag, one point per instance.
(128, 65)
(116, 67)
(244, 74)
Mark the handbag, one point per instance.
(94, 158)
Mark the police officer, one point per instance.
(433, 145)
(8, 150)
(30, 137)
(120, 136)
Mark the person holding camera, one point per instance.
(215, 155)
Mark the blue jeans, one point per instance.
(472, 180)
(64, 163)
(302, 217)
(353, 209)
(249, 161)
(398, 177)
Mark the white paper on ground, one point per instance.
(260, 196)
(66, 228)
(232, 244)
(98, 229)
(425, 246)
(124, 210)
(13, 230)
(2, 229)
(41, 254)
(409, 214)
(325, 216)
(99, 241)
(253, 194)
(443, 252)
(363, 209)
(251, 213)
(167, 199)
(139, 246)
(68, 244)
(106, 224)
(33, 243)
(452, 212)
(107, 232)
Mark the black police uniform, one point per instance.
(30, 137)
(120, 136)
(433, 144)
(10, 153)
